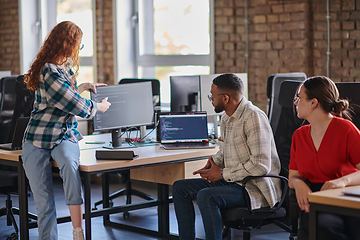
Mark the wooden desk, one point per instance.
(149, 156)
(331, 201)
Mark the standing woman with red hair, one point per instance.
(51, 132)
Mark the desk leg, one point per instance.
(87, 196)
(105, 195)
(312, 222)
(23, 203)
(163, 219)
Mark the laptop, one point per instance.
(352, 192)
(184, 130)
(16, 143)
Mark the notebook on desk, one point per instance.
(184, 130)
(352, 192)
(20, 127)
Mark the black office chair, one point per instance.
(9, 177)
(128, 191)
(289, 122)
(24, 103)
(347, 90)
(350, 91)
(273, 88)
(7, 106)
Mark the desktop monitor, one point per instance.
(131, 106)
(185, 93)
(155, 85)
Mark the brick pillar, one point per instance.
(9, 36)
(107, 40)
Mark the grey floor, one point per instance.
(145, 218)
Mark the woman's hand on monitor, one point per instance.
(90, 86)
(103, 105)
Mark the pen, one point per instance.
(94, 142)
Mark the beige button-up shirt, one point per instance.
(247, 148)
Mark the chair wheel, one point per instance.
(111, 203)
(13, 236)
(126, 215)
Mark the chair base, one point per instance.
(8, 211)
(226, 234)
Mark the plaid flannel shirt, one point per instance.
(247, 148)
(56, 104)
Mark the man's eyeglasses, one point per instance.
(211, 97)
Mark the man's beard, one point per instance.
(219, 108)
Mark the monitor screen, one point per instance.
(183, 127)
(131, 106)
(185, 93)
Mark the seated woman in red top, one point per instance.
(325, 154)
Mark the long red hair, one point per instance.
(62, 44)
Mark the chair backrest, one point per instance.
(288, 123)
(7, 105)
(24, 103)
(351, 92)
(273, 88)
(155, 84)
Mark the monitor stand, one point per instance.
(116, 138)
(142, 133)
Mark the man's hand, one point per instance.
(211, 172)
(207, 166)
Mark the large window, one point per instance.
(171, 37)
(81, 13)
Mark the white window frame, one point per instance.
(128, 25)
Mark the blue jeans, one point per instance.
(38, 169)
(211, 197)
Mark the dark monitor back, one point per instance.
(185, 93)
(155, 84)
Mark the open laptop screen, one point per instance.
(183, 127)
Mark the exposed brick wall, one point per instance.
(344, 43)
(9, 36)
(287, 36)
(284, 36)
(107, 39)
(278, 35)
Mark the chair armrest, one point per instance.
(285, 190)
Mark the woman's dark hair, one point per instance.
(230, 82)
(325, 91)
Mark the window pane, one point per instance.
(79, 12)
(164, 73)
(86, 74)
(174, 27)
